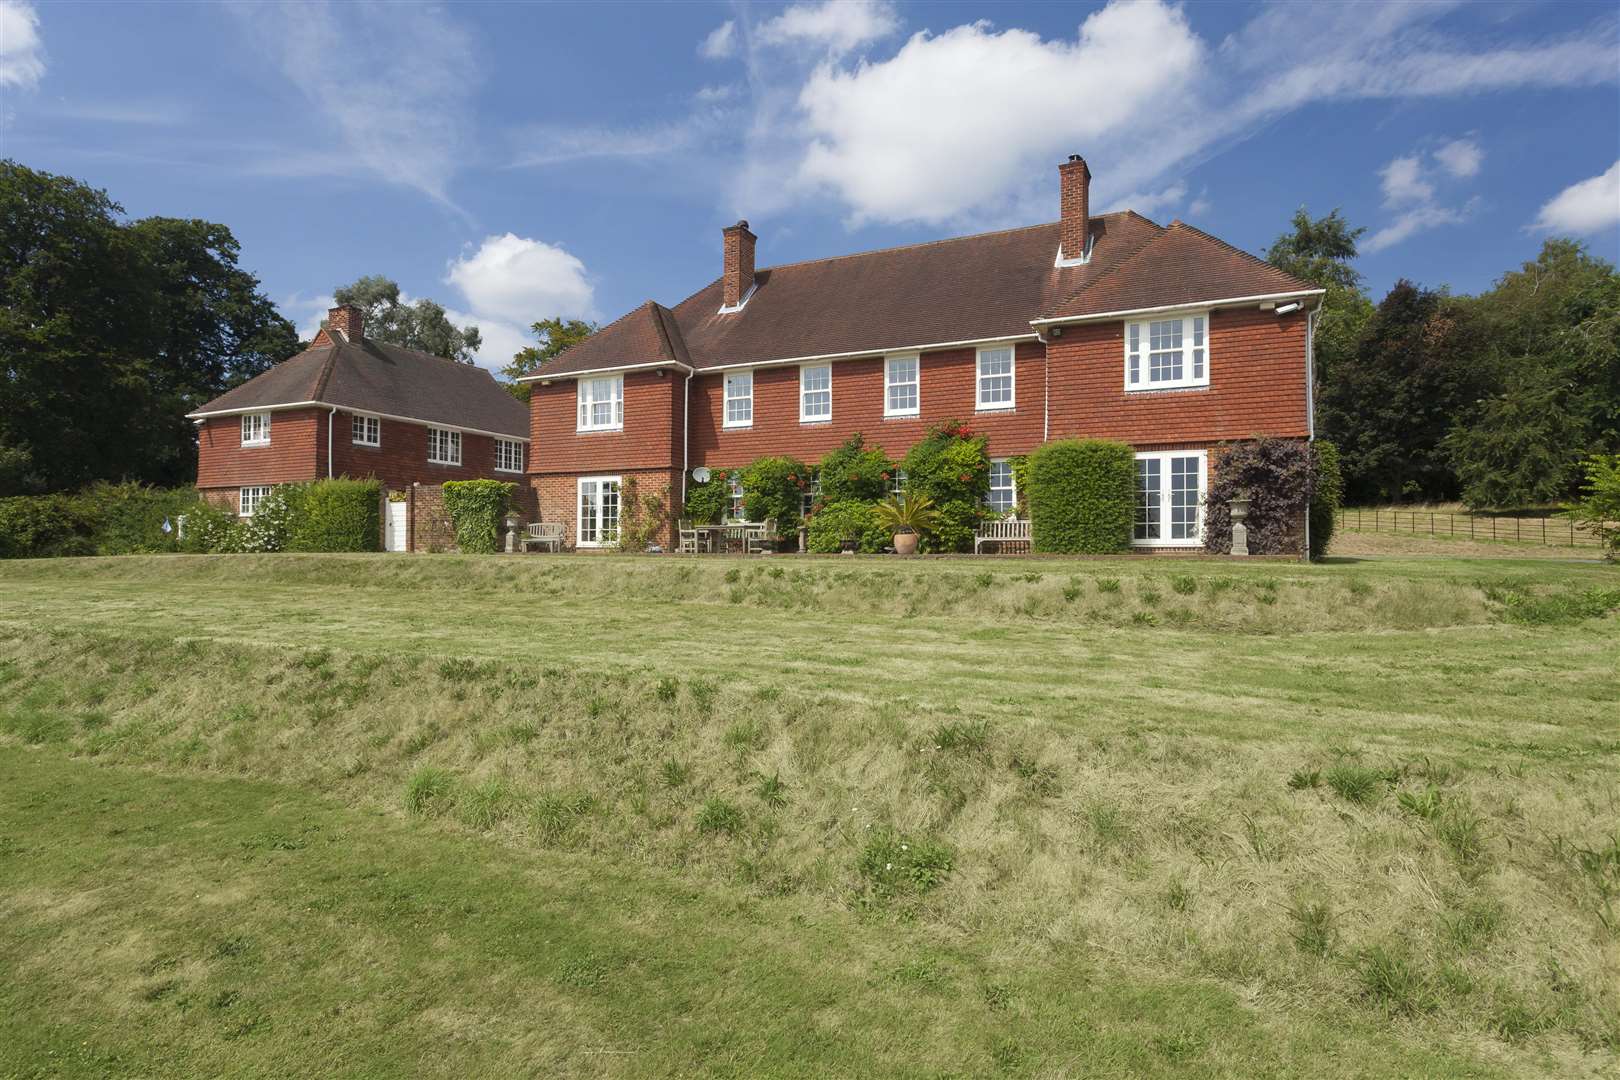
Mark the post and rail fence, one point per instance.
(1534, 530)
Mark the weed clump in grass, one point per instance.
(719, 816)
(1359, 784)
(1108, 584)
(894, 865)
(1391, 979)
(772, 791)
(485, 805)
(1314, 929)
(430, 791)
(967, 736)
(1185, 584)
(1302, 779)
(554, 817)
(674, 773)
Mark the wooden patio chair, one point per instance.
(762, 540)
(688, 537)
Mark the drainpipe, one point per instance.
(331, 421)
(1046, 388)
(686, 431)
(1310, 402)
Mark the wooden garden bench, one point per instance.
(999, 532)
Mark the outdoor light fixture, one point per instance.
(1286, 308)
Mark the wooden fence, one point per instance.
(1535, 530)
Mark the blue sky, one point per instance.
(515, 161)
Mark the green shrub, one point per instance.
(1327, 495)
(835, 521)
(1599, 511)
(476, 509)
(853, 473)
(1275, 475)
(39, 526)
(951, 467)
(337, 515)
(774, 487)
(128, 518)
(706, 502)
(271, 526)
(643, 516)
(897, 865)
(1082, 496)
(210, 529)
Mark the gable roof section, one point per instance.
(971, 288)
(1182, 265)
(375, 377)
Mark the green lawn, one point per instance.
(849, 817)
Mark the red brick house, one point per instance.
(351, 406)
(1093, 326)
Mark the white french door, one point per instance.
(598, 511)
(1170, 498)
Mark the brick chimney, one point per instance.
(738, 275)
(1076, 209)
(349, 319)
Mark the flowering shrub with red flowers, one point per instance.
(771, 491)
(951, 467)
(854, 473)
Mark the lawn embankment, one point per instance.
(1043, 817)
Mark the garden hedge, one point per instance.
(853, 473)
(336, 515)
(103, 519)
(476, 509)
(707, 502)
(1082, 496)
(774, 487)
(1327, 496)
(952, 467)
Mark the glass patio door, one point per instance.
(598, 511)
(1170, 499)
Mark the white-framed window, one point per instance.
(1170, 489)
(1161, 354)
(995, 381)
(444, 446)
(739, 404)
(598, 523)
(735, 511)
(1003, 495)
(249, 498)
(601, 404)
(367, 430)
(897, 485)
(902, 386)
(256, 429)
(508, 455)
(809, 496)
(815, 393)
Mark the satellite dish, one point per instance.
(701, 474)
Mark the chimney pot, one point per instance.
(349, 319)
(737, 272)
(1074, 230)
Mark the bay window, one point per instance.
(1161, 354)
(601, 404)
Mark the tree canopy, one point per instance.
(111, 331)
(555, 334)
(422, 325)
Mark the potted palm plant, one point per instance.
(907, 519)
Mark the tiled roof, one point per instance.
(1182, 265)
(968, 288)
(372, 376)
(971, 288)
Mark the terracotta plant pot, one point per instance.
(905, 543)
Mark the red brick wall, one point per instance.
(222, 460)
(946, 391)
(1256, 385)
(297, 452)
(556, 496)
(651, 438)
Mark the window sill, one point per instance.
(1167, 543)
(366, 446)
(915, 415)
(818, 422)
(599, 430)
(255, 445)
(1162, 389)
(736, 427)
(445, 464)
(995, 408)
(511, 472)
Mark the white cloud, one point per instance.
(520, 280)
(1416, 220)
(1151, 202)
(1585, 207)
(22, 52)
(408, 126)
(721, 42)
(969, 117)
(1460, 157)
(1403, 182)
(1200, 207)
(836, 25)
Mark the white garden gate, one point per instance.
(396, 526)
